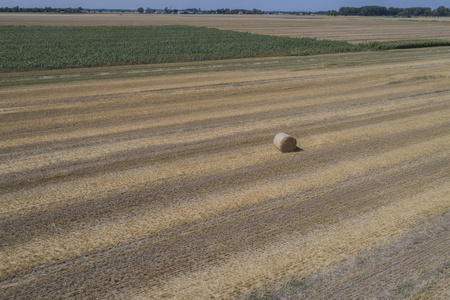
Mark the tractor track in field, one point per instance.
(405, 266)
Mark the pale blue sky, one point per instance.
(297, 5)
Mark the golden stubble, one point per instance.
(171, 120)
(403, 100)
(300, 254)
(118, 181)
(86, 88)
(105, 235)
(435, 292)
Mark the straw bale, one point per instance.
(284, 142)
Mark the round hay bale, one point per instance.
(284, 142)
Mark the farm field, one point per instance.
(46, 47)
(351, 29)
(161, 181)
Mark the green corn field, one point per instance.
(55, 47)
(40, 47)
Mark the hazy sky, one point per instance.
(296, 5)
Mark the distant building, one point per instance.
(154, 11)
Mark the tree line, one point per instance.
(372, 10)
(441, 11)
(220, 11)
(17, 9)
(343, 11)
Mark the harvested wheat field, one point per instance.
(162, 181)
(351, 29)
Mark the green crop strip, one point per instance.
(36, 47)
(41, 47)
(407, 44)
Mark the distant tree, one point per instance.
(140, 10)
(417, 11)
(348, 11)
(441, 11)
(332, 13)
(404, 14)
(373, 11)
(393, 11)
